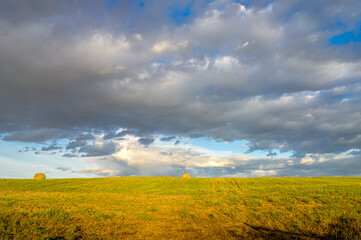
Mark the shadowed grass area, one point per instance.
(179, 208)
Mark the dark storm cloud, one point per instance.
(98, 149)
(271, 154)
(84, 136)
(64, 169)
(146, 141)
(76, 143)
(266, 73)
(167, 139)
(113, 168)
(70, 16)
(70, 155)
(36, 135)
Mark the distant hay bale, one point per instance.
(40, 176)
(186, 175)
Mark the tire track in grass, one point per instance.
(221, 217)
(214, 190)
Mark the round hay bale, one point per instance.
(40, 176)
(186, 175)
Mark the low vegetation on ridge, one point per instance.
(180, 208)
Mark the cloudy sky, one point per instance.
(220, 88)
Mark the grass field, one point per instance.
(176, 208)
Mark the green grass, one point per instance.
(176, 208)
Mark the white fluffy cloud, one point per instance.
(166, 46)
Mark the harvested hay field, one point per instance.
(178, 208)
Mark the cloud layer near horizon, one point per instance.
(265, 72)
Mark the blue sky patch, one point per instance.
(343, 38)
(347, 97)
(180, 14)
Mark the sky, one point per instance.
(223, 88)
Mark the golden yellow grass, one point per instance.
(178, 208)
